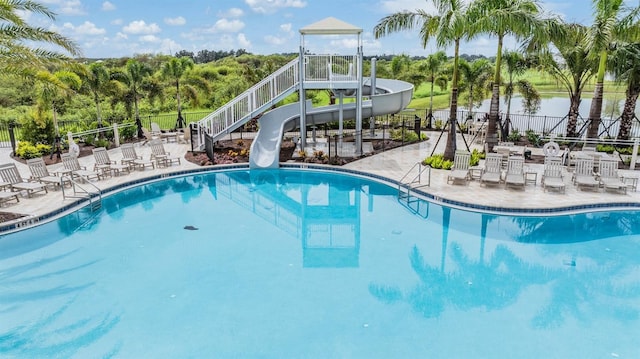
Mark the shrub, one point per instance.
(605, 148)
(102, 143)
(476, 156)
(533, 138)
(438, 162)
(437, 124)
(26, 150)
(514, 136)
(128, 132)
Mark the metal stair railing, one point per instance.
(250, 103)
(81, 192)
(408, 183)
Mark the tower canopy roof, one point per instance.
(330, 26)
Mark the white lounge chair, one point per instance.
(492, 172)
(156, 131)
(584, 176)
(159, 155)
(515, 172)
(10, 174)
(460, 169)
(70, 163)
(552, 175)
(105, 165)
(132, 159)
(609, 177)
(40, 173)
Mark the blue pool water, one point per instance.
(303, 264)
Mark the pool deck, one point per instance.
(392, 164)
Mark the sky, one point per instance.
(123, 28)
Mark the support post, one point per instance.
(634, 155)
(116, 135)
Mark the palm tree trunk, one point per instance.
(628, 114)
(430, 116)
(595, 111)
(492, 130)
(450, 150)
(470, 117)
(574, 111)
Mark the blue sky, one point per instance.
(118, 28)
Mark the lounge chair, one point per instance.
(105, 165)
(583, 176)
(609, 177)
(552, 175)
(156, 131)
(515, 172)
(460, 169)
(11, 175)
(70, 163)
(162, 157)
(40, 173)
(132, 159)
(492, 172)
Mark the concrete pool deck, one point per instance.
(392, 164)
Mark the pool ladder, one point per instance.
(417, 177)
(94, 196)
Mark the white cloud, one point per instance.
(286, 27)
(86, 28)
(71, 8)
(120, 35)
(176, 21)
(394, 6)
(116, 22)
(275, 40)
(243, 42)
(149, 38)
(234, 12)
(271, 6)
(224, 25)
(108, 6)
(141, 27)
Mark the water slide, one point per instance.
(390, 96)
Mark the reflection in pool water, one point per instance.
(293, 263)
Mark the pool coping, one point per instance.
(31, 221)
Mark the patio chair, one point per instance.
(552, 174)
(515, 172)
(460, 169)
(609, 177)
(583, 176)
(492, 172)
(11, 175)
(40, 173)
(105, 165)
(70, 163)
(156, 131)
(160, 155)
(132, 159)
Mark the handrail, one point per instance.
(75, 184)
(408, 183)
(249, 103)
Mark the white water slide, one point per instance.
(391, 96)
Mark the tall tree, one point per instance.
(612, 21)
(625, 67)
(475, 77)
(519, 18)
(96, 78)
(16, 56)
(432, 65)
(448, 26)
(570, 64)
(133, 76)
(516, 65)
(175, 69)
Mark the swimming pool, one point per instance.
(295, 263)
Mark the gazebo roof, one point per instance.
(330, 26)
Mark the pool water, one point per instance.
(306, 264)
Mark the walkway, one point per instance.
(392, 164)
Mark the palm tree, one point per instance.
(499, 18)
(625, 67)
(448, 27)
(96, 79)
(571, 66)
(133, 76)
(174, 69)
(517, 65)
(475, 80)
(608, 26)
(432, 66)
(16, 57)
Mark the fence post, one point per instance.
(12, 136)
(634, 155)
(116, 135)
